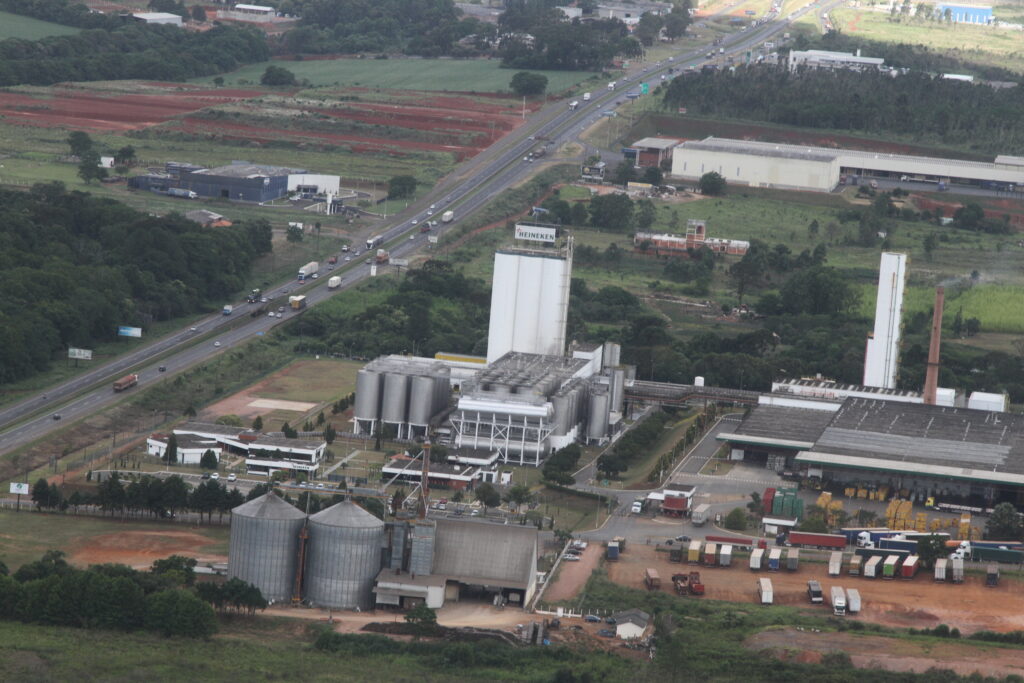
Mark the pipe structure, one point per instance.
(931, 377)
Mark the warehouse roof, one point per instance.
(485, 554)
(656, 143)
(797, 425)
(765, 149)
(245, 170)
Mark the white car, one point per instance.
(215, 476)
(280, 315)
(270, 315)
(433, 206)
(232, 477)
(216, 344)
(412, 237)
(414, 221)
(263, 300)
(571, 558)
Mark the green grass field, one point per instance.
(27, 28)
(312, 381)
(455, 75)
(1000, 308)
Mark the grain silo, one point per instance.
(264, 545)
(344, 557)
(597, 422)
(369, 388)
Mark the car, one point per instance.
(280, 315)
(606, 633)
(316, 275)
(192, 329)
(592, 618)
(280, 309)
(430, 213)
(264, 299)
(320, 485)
(284, 291)
(814, 593)
(348, 258)
(475, 513)
(433, 206)
(355, 253)
(684, 539)
(215, 476)
(367, 262)
(412, 237)
(216, 344)
(610, 620)
(414, 221)
(303, 485)
(162, 368)
(571, 558)
(232, 477)
(270, 315)
(330, 267)
(56, 416)
(206, 475)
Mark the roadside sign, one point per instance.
(432, 239)
(125, 331)
(400, 262)
(19, 489)
(644, 88)
(80, 354)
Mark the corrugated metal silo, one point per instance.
(396, 397)
(368, 392)
(344, 557)
(264, 546)
(597, 424)
(421, 400)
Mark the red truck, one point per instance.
(126, 382)
(809, 540)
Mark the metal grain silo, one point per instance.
(264, 547)
(597, 424)
(421, 400)
(344, 557)
(396, 397)
(369, 385)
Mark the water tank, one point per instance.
(421, 400)
(264, 546)
(344, 557)
(597, 424)
(698, 381)
(368, 393)
(396, 397)
(610, 354)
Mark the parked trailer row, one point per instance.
(756, 558)
(835, 563)
(809, 540)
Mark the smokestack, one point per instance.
(425, 481)
(931, 377)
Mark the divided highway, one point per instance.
(467, 190)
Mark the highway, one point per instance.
(466, 191)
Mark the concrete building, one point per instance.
(530, 294)
(207, 219)
(653, 151)
(158, 18)
(190, 447)
(695, 239)
(447, 475)
(239, 181)
(314, 183)
(961, 13)
(824, 59)
(263, 454)
(882, 356)
(767, 164)
(631, 624)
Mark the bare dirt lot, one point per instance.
(139, 549)
(906, 603)
(573, 575)
(878, 652)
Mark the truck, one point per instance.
(872, 569)
(693, 552)
(814, 592)
(725, 556)
(425, 226)
(126, 382)
(611, 553)
(700, 514)
(675, 555)
(743, 543)
(696, 586)
(681, 583)
(957, 567)
(756, 558)
(711, 554)
(374, 242)
(382, 256)
(764, 591)
(808, 540)
(992, 576)
(447, 216)
(253, 296)
(855, 564)
(835, 563)
(611, 85)
(890, 567)
(586, 97)
(910, 566)
(852, 600)
(181, 193)
(774, 559)
(297, 303)
(573, 105)
(897, 543)
(793, 559)
(333, 259)
(227, 309)
(651, 579)
(838, 601)
(334, 282)
(308, 270)
(940, 568)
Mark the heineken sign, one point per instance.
(536, 233)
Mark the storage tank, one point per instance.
(618, 389)
(611, 354)
(368, 392)
(597, 424)
(396, 397)
(421, 399)
(264, 546)
(344, 557)
(562, 406)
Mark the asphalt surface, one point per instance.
(467, 190)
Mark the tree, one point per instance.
(931, 241)
(126, 155)
(526, 84)
(79, 142)
(423, 618)
(712, 183)
(972, 326)
(814, 525)
(230, 420)
(209, 460)
(612, 212)
(487, 495)
(653, 175)
(89, 168)
(41, 493)
(277, 75)
(750, 271)
(519, 494)
(295, 233)
(930, 548)
(646, 214)
(401, 186)
(330, 434)
(180, 569)
(198, 13)
(648, 28)
(754, 505)
(171, 453)
(1004, 524)
(736, 520)
(257, 424)
(624, 172)
(179, 613)
(676, 23)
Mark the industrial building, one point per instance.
(824, 59)
(767, 164)
(960, 13)
(190, 447)
(164, 18)
(530, 293)
(240, 181)
(653, 151)
(343, 557)
(402, 394)
(882, 355)
(695, 239)
(264, 454)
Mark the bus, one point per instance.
(374, 242)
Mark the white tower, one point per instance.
(530, 295)
(881, 358)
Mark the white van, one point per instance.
(586, 97)
(637, 508)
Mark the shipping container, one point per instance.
(891, 567)
(838, 601)
(910, 566)
(769, 496)
(883, 553)
(693, 552)
(992, 575)
(793, 559)
(711, 554)
(651, 579)
(764, 591)
(725, 556)
(872, 568)
(700, 514)
(985, 554)
(852, 600)
(809, 540)
(612, 552)
(835, 563)
(855, 565)
(898, 544)
(940, 569)
(755, 559)
(957, 567)
(774, 559)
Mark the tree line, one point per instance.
(74, 267)
(914, 105)
(125, 50)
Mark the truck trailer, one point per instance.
(297, 303)
(852, 600)
(693, 552)
(612, 551)
(711, 554)
(651, 579)
(992, 576)
(835, 563)
(334, 282)
(755, 559)
(447, 216)
(227, 309)
(307, 271)
(725, 556)
(957, 568)
(940, 569)
(809, 540)
(838, 601)
(774, 559)
(181, 193)
(793, 559)
(700, 514)
(872, 568)
(910, 566)
(891, 567)
(126, 382)
(855, 565)
(764, 591)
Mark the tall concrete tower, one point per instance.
(530, 293)
(881, 359)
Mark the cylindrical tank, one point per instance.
(698, 381)
(368, 391)
(610, 355)
(421, 400)
(344, 557)
(396, 397)
(597, 424)
(618, 389)
(562, 407)
(264, 546)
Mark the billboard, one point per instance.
(400, 262)
(19, 489)
(125, 331)
(80, 354)
(432, 239)
(536, 233)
